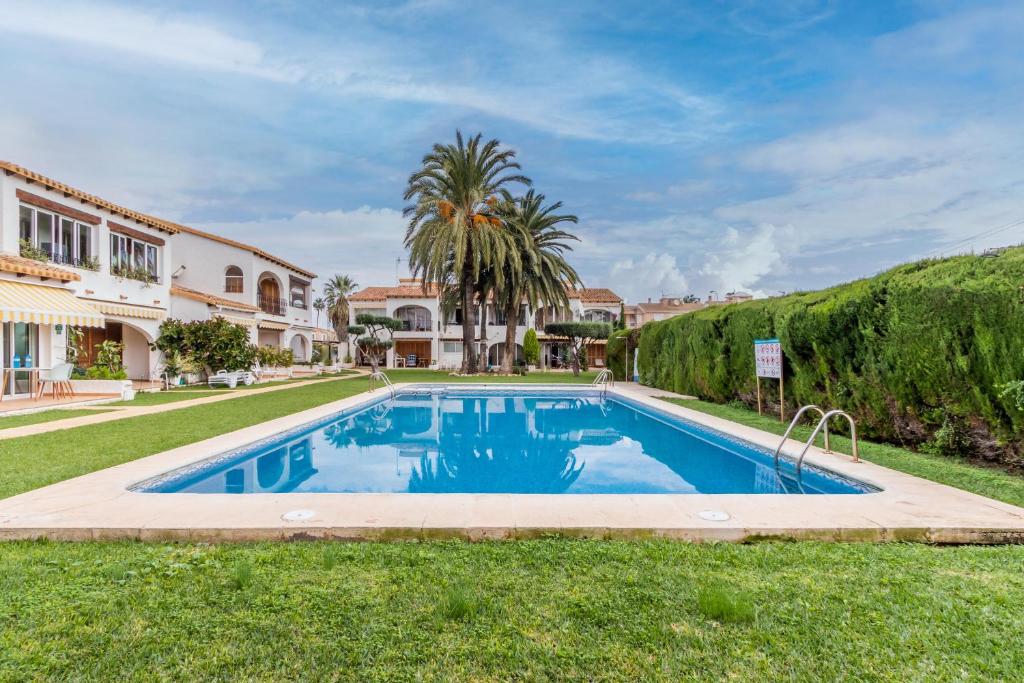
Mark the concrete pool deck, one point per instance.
(102, 506)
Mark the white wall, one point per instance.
(206, 261)
(98, 285)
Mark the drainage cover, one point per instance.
(713, 515)
(298, 515)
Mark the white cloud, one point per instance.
(609, 100)
(650, 276)
(361, 243)
(741, 260)
(182, 40)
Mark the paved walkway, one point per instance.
(124, 412)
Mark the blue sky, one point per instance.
(704, 146)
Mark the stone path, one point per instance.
(124, 412)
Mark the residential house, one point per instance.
(216, 276)
(72, 259)
(433, 341)
(663, 309)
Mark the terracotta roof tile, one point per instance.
(9, 263)
(51, 184)
(212, 299)
(247, 247)
(399, 292)
(595, 295)
(152, 221)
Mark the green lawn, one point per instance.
(46, 416)
(553, 609)
(550, 610)
(987, 481)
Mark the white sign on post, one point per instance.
(768, 358)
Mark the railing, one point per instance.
(379, 375)
(822, 424)
(273, 305)
(604, 378)
(792, 424)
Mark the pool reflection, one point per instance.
(502, 444)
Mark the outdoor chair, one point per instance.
(59, 379)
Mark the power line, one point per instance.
(984, 233)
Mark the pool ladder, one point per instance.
(822, 424)
(379, 375)
(604, 378)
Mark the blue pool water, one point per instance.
(466, 441)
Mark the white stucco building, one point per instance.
(69, 258)
(437, 342)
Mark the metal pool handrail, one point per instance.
(379, 375)
(823, 422)
(792, 424)
(604, 378)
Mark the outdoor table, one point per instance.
(8, 375)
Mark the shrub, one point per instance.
(275, 357)
(213, 344)
(898, 351)
(108, 358)
(102, 372)
(531, 347)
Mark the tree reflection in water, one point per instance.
(529, 465)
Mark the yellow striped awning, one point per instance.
(129, 311)
(21, 302)
(247, 322)
(270, 325)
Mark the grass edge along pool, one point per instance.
(479, 440)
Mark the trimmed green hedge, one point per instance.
(916, 350)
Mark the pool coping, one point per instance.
(100, 505)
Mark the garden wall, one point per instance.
(915, 354)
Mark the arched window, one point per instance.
(233, 280)
(414, 318)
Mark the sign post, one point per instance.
(768, 363)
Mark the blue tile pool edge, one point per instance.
(693, 428)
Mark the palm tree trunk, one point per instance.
(511, 321)
(468, 347)
(483, 360)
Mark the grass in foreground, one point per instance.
(540, 610)
(985, 481)
(112, 443)
(46, 416)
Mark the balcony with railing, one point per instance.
(274, 305)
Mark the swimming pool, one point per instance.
(465, 440)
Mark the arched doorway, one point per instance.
(268, 295)
(300, 348)
(496, 354)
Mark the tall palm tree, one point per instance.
(336, 293)
(455, 232)
(319, 305)
(544, 276)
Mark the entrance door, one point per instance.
(21, 340)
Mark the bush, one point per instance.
(531, 347)
(275, 357)
(103, 372)
(213, 344)
(898, 351)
